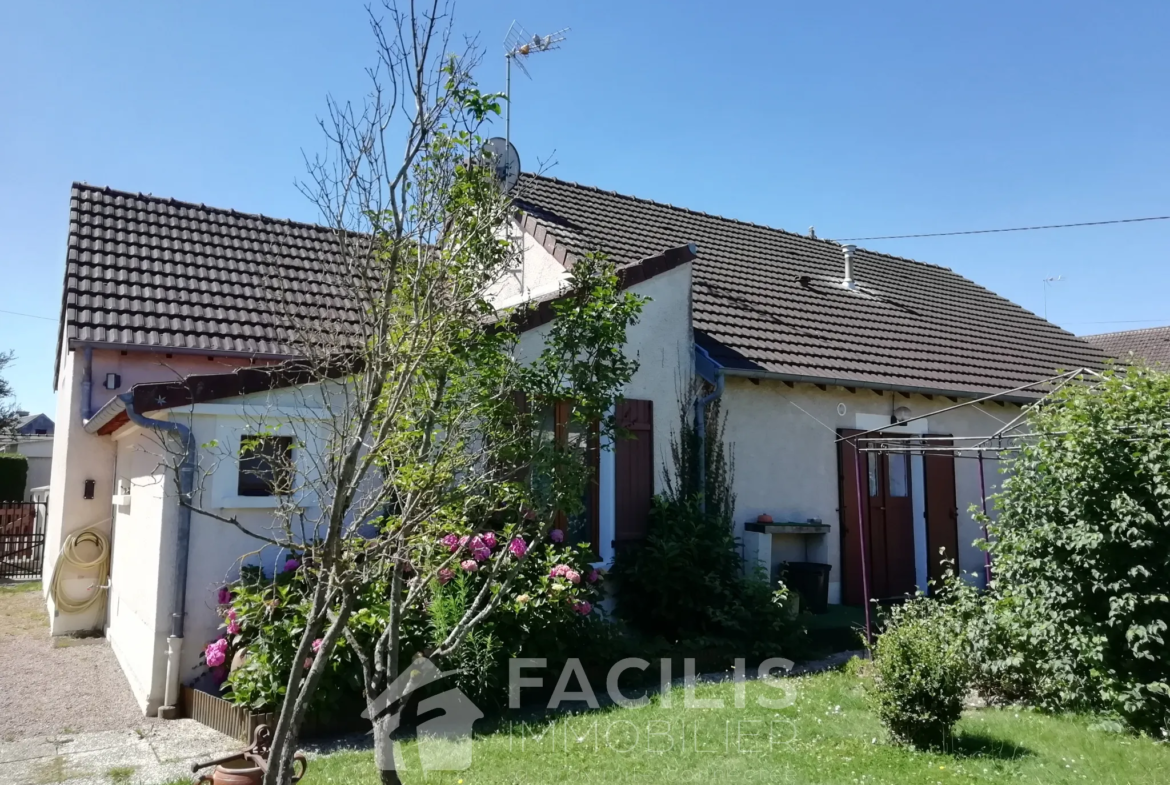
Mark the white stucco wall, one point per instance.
(786, 459)
(143, 524)
(79, 456)
(537, 274)
(662, 343)
(146, 521)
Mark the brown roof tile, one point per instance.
(147, 271)
(1151, 345)
(770, 300)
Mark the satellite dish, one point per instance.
(501, 155)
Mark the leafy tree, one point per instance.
(1080, 548)
(8, 416)
(435, 432)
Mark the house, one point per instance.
(32, 437)
(175, 310)
(1151, 345)
(33, 424)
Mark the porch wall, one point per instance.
(786, 461)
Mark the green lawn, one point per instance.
(827, 736)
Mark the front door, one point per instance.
(888, 523)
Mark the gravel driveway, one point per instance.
(46, 690)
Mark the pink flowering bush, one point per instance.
(261, 628)
(550, 610)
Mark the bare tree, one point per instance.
(432, 428)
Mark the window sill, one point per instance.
(249, 502)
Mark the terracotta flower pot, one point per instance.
(235, 772)
(765, 518)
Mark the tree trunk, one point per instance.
(384, 759)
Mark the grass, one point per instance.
(19, 587)
(21, 609)
(828, 735)
(120, 775)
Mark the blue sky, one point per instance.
(860, 118)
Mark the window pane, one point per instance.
(872, 462)
(265, 466)
(899, 476)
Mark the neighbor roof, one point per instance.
(770, 301)
(1151, 345)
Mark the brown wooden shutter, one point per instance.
(633, 470)
(942, 512)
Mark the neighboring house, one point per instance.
(177, 301)
(32, 437)
(33, 425)
(1151, 346)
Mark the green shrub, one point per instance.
(13, 475)
(1080, 601)
(686, 584)
(543, 616)
(919, 674)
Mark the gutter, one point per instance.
(170, 707)
(747, 373)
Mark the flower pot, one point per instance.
(235, 772)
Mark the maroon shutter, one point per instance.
(633, 470)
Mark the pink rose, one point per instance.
(584, 607)
(593, 577)
(559, 571)
(556, 535)
(464, 540)
(469, 565)
(233, 628)
(518, 547)
(317, 645)
(231, 614)
(445, 576)
(573, 576)
(291, 565)
(450, 542)
(489, 540)
(225, 595)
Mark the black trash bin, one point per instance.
(811, 581)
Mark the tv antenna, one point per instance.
(1049, 281)
(518, 47)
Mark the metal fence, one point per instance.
(22, 540)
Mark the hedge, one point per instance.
(13, 475)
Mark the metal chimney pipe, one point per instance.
(848, 250)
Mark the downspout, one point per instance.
(701, 432)
(170, 708)
(87, 384)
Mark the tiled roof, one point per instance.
(769, 300)
(153, 272)
(1151, 345)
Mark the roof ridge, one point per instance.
(739, 221)
(79, 185)
(1160, 328)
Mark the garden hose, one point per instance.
(69, 556)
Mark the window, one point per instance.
(557, 425)
(41, 432)
(899, 476)
(872, 464)
(266, 467)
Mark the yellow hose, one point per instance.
(69, 557)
